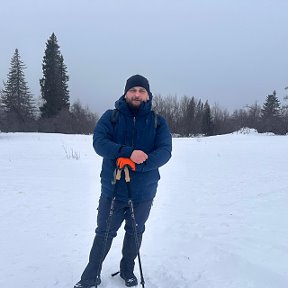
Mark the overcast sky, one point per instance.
(229, 52)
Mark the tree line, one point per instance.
(19, 110)
(189, 116)
(186, 116)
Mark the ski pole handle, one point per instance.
(127, 174)
(118, 174)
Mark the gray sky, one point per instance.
(229, 52)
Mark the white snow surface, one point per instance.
(219, 219)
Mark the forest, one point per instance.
(186, 116)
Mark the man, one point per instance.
(132, 133)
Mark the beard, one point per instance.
(134, 103)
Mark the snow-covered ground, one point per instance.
(219, 219)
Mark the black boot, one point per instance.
(91, 274)
(87, 284)
(130, 280)
(129, 252)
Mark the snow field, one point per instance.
(218, 220)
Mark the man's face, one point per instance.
(136, 95)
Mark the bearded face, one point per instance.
(136, 95)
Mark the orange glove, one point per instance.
(122, 162)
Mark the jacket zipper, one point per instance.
(133, 133)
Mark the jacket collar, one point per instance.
(122, 106)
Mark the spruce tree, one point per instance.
(54, 84)
(271, 114)
(271, 107)
(198, 117)
(207, 124)
(186, 116)
(16, 98)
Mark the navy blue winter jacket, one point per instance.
(132, 132)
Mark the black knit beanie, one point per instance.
(137, 80)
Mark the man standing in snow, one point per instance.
(134, 135)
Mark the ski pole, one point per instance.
(111, 211)
(131, 205)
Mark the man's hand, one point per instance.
(138, 156)
(122, 162)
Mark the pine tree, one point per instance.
(271, 114)
(2, 115)
(207, 124)
(16, 98)
(54, 84)
(271, 107)
(187, 111)
(198, 117)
